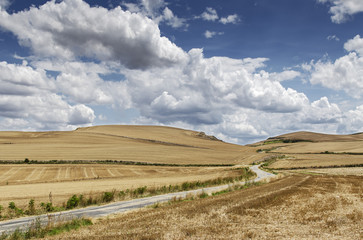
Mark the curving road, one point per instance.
(117, 207)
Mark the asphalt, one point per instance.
(116, 207)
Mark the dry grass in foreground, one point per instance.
(295, 207)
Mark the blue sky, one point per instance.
(240, 70)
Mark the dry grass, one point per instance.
(127, 143)
(295, 207)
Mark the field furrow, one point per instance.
(33, 171)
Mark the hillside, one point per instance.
(308, 149)
(318, 137)
(153, 144)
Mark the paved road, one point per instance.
(117, 207)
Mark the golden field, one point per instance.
(312, 202)
(147, 144)
(306, 149)
(123, 143)
(38, 181)
(294, 207)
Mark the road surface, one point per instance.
(117, 207)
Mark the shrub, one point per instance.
(203, 195)
(12, 205)
(31, 207)
(122, 194)
(72, 202)
(49, 207)
(140, 190)
(108, 196)
(15, 210)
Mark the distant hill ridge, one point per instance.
(317, 137)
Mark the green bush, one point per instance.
(49, 207)
(15, 210)
(72, 202)
(140, 191)
(108, 196)
(12, 205)
(31, 207)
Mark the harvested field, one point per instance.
(295, 207)
(123, 143)
(20, 183)
(306, 149)
(318, 137)
(356, 171)
(319, 147)
(311, 160)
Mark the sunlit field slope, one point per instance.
(123, 143)
(306, 149)
(174, 156)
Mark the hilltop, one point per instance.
(317, 137)
(152, 144)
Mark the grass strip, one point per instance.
(120, 162)
(36, 230)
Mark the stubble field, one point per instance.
(130, 144)
(304, 150)
(20, 183)
(150, 144)
(294, 207)
(312, 202)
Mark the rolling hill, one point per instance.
(151, 144)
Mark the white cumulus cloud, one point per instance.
(210, 14)
(353, 121)
(158, 11)
(4, 4)
(355, 44)
(29, 96)
(87, 57)
(342, 9)
(203, 90)
(72, 29)
(345, 73)
(234, 19)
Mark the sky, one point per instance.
(241, 70)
